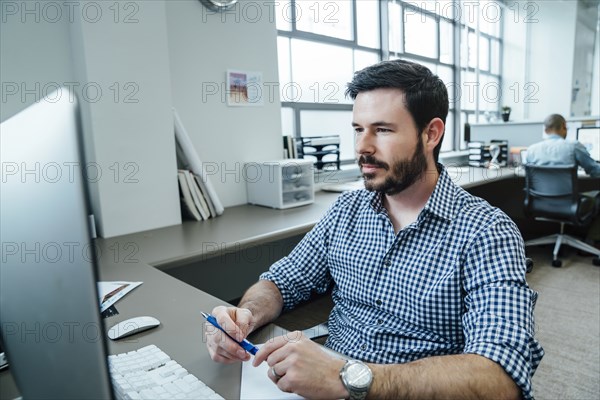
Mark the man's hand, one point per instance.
(238, 323)
(298, 365)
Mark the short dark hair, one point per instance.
(426, 96)
(554, 122)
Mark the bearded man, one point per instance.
(428, 281)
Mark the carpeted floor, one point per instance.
(567, 325)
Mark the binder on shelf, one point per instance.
(197, 195)
(290, 147)
(202, 186)
(188, 159)
(187, 203)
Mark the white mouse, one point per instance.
(131, 326)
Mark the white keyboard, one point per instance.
(149, 373)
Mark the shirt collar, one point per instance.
(440, 203)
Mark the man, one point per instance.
(428, 281)
(557, 150)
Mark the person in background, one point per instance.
(428, 281)
(556, 149)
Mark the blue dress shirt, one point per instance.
(451, 282)
(555, 150)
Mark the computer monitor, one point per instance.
(589, 136)
(50, 321)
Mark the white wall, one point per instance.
(202, 46)
(538, 59)
(157, 54)
(595, 102)
(35, 57)
(514, 64)
(125, 55)
(583, 59)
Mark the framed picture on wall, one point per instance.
(244, 88)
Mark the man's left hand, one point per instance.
(298, 365)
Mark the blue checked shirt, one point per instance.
(555, 150)
(452, 282)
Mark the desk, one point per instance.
(176, 304)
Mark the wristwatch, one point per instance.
(357, 378)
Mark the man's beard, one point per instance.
(404, 173)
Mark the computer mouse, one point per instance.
(132, 326)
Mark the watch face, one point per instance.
(224, 3)
(358, 375)
(219, 5)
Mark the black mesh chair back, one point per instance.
(551, 194)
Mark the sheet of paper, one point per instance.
(256, 385)
(111, 292)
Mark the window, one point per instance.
(322, 43)
(427, 31)
(420, 34)
(479, 68)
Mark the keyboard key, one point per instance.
(149, 373)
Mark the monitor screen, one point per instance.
(51, 332)
(590, 138)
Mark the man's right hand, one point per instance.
(238, 323)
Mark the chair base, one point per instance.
(558, 239)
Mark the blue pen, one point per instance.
(246, 345)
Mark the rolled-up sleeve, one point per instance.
(499, 322)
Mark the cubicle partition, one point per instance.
(518, 134)
(525, 133)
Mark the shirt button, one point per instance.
(379, 322)
(387, 263)
(363, 346)
(378, 302)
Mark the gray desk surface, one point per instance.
(247, 225)
(176, 304)
(238, 227)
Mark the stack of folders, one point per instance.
(195, 201)
(481, 156)
(290, 147)
(199, 200)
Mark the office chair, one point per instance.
(551, 195)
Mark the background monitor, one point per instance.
(49, 310)
(590, 138)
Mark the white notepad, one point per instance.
(257, 385)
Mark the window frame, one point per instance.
(383, 53)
